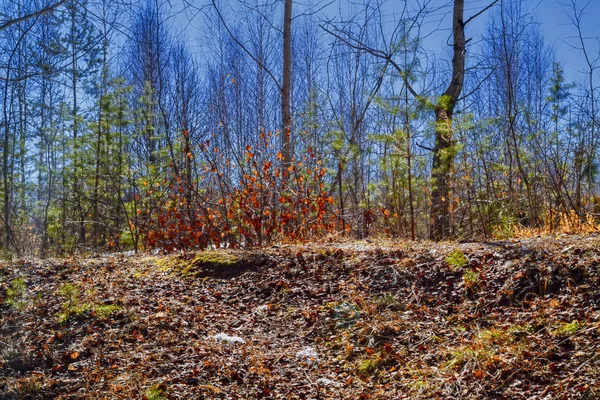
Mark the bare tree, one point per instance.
(576, 14)
(286, 77)
(443, 108)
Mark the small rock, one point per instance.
(345, 315)
(327, 382)
(223, 337)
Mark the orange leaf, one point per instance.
(479, 374)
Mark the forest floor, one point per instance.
(507, 320)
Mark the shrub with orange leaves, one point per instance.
(263, 202)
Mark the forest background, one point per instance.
(186, 125)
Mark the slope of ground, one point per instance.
(514, 319)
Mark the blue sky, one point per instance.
(550, 14)
(555, 24)
(558, 29)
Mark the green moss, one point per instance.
(465, 355)
(368, 366)
(385, 301)
(457, 259)
(418, 385)
(15, 294)
(569, 328)
(164, 265)
(5, 255)
(471, 278)
(215, 257)
(73, 311)
(106, 310)
(518, 329)
(157, 392)
(487, 345)
(216, 261)
(72, 305)
(219, 263)
(491, 336)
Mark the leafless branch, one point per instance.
(35, 14)
(481, 12)
(243, 47)
(388, 57)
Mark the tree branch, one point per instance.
(357, 45)
(481, 12)
(252, 56)
(36, 14)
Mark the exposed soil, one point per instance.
(514, 319)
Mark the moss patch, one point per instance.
(569, 328)
(456, 259)
(221, 264)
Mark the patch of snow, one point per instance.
(227, 245)
(261, 310)
(223, 337)
(327, 382)
(129, 253)
(308, 355)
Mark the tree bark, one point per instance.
(286, 111)
(443, 153)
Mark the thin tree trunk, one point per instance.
(443, 153)
(413, 227)
(76, 189)
(286, 111)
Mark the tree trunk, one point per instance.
(286, 111)
(443, 152)
(76, 189)
(413, 225)
(443, 160)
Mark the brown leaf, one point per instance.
(518, 275)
